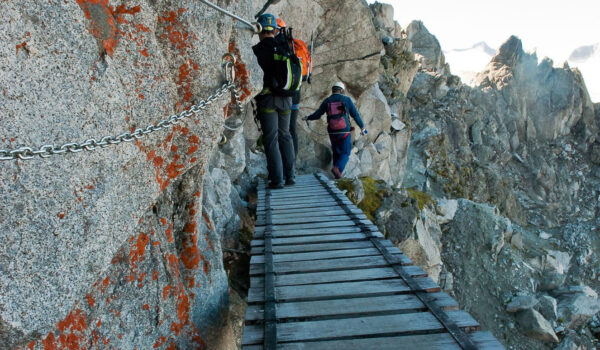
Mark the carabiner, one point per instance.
(228, 65)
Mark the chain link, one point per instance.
(46, 151)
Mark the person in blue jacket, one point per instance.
(338, 108)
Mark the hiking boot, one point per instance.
(290, 181)
(336, 172)
(273, 186)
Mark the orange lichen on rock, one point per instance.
(159, 342)
(208, 222)
(90, 300)
(103, 21)
(166, 292)
(22, 45)
(182, 41)
(169, 234)
(49, 342)
(71, 329)
(137, 251)
(122, 9)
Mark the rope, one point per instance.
(256, 28)
(241, 124)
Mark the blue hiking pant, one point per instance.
(341, 147)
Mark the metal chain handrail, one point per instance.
(46, 151)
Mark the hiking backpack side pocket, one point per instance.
(287, 78)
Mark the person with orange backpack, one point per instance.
(281, 79)
(301, 50)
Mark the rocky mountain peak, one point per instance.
(510, 52)
(428, 47)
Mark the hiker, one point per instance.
(274, 103)
(301, 50)
(338, 107)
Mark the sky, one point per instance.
(554, 27)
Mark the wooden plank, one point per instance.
(327, 277)
(313, 226)
(316, 247)
(332, 290)
(347, 307)
(298, 196)
(309, 219)
(298, 279)
(356, 327)
(322, 265)
(321, 204)
(315, 239)
(284, 201)
(341, 289)
(348, 253)
(310, 198)
(320, 277)
(334, 276)
(314, 231)
(305, 188)
(439, 341)
(309, 210)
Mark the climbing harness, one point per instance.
(256, 28)
(46, 151)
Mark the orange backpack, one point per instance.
(304, 55)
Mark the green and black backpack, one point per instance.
(287, 77)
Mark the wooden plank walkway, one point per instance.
(323, 277)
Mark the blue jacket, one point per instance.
(350, 108)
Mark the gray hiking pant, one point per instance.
(279, 149)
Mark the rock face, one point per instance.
(428, 47)
(536, 326)
(104, 246)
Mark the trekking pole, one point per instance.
(310, 66)
(267, 4)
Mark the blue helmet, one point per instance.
(268, 22)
